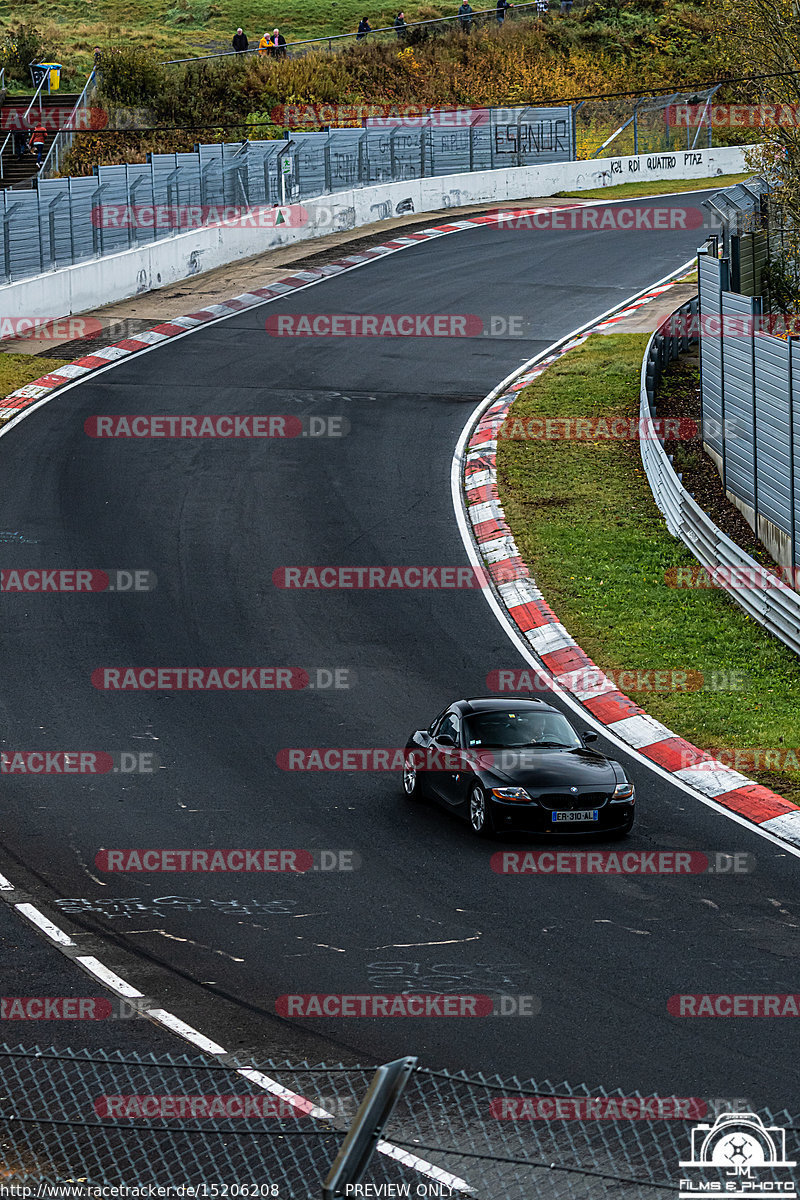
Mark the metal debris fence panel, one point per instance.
(776, 608)
(60, 1121)
(62, 221)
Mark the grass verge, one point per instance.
(18, 369)
(656, 187)
(586, 523)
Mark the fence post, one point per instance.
(756, 307)
(267, 189)
(71, 223)
(636, 130)
(392, 169)
(173, 175)
(574, 124)
(792, 461)
(97, 227)
(132, 227)
(7, 240)
(51, 220)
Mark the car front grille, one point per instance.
(566, 800)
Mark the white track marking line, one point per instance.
(44, 924)
(108, 977)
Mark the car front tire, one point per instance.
(480, 814)
(412, 785)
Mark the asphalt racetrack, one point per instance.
(214, 519)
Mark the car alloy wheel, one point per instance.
(411, 784)
(480, 817)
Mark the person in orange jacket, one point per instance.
(38, 139)
(265, 46)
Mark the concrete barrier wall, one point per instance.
(104, 280)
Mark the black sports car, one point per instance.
(517, 764)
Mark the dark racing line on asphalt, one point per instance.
(214, 520)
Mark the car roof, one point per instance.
(487, 704)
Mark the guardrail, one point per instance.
(489, 13)
(767, 599)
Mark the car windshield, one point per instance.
(513, 730)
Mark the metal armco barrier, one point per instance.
(66, 221)
(776, 608)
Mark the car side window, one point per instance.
(452, 725)
(435, 722)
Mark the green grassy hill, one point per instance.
(637, 41)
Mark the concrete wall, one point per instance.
(118, 276)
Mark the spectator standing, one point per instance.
(566, 7)
(364, 28)
(542, 9)
(240, 42)
(400, 27)
(502, 8)
(279, 42)
(21, 142)
(37, 142)
(465, 16)
(265, 45)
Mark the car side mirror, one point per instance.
(590, 736)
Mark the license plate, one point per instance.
(583, 814)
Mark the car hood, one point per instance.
(550, 768)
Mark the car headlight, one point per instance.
(512, 793)
(623, 791)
